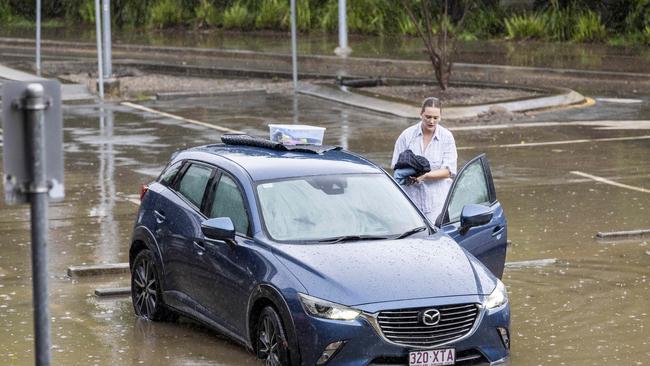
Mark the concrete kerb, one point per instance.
(69, 92)
(560, 97)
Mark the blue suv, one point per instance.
(311, 255)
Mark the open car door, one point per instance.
(473, 216)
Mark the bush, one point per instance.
(273, 14)
(329, 16)
(166, 13)
(205, 14)
(485, 21)
(589, 28)
(560, 23)
(6, 14)
(525, 26)
(237, 17)
(86, 11)
(638, 18)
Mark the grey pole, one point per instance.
(38, 192)
(106, 20)
(294, 56)
(100, 80)
(343, 50)
(38, 37)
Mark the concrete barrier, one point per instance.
(98, 269)
(113, 291)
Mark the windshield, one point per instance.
(327, 207)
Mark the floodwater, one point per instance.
(532, 54)
(589, 307)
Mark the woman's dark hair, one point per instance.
(431, 102)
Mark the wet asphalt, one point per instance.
(588, 307)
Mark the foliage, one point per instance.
(525, 26)
(589, 28)
(559, 23)
(6, 13)
(329, 16)
(237, 17)
(273, 14)
(485, 21)
(638, 19)
(86, 11)
(166, 13)
(207, 15)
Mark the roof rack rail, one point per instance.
(247, 140)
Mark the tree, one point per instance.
(439, 39)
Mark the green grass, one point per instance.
(589, 28)
(238, 17)
(207, 15)
(166, 13)
(273, 14)
(525, 26)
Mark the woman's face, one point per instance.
(430, 118)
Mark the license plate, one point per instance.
(434, 357)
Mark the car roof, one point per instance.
(270, 164)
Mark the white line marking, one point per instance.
(179, 118)
(611, 182)
(549, 143)
(619, 100)
(531, 263)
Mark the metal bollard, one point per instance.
(33, 106)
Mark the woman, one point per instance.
(436, 143)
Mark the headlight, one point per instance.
(328, 310)
(498, 297)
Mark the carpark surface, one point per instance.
(588, 305)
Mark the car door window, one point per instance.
(193, 183)
(471, 188)
(229, 202)
(167, 177)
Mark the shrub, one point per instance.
(5, 12)
(329, 16)
(87, 11)
(525, 26)
(405, 25)
(639, 17)
(237, 17)
(485, 21)
(166, 13)
(560, 23)
(273, 14)
(206, 15)
(303, 18)
(589, 28)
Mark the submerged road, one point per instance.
(587, 303)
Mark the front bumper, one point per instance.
(365, 345)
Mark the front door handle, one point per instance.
(200, 247)
(498, 230)
(160, 216)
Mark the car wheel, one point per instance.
(146, 293)
(272, 347)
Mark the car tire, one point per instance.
(146, 293)
(271, 344)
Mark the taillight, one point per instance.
(143, 190)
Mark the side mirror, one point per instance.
(220, 228)
(474, 215)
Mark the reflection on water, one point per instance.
(534, 54)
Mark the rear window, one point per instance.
(193, 183)
(168, 175)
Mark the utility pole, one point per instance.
(294, 55)
(343, 49)
(38, 37)
(98, 29)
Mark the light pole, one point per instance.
(343, 49)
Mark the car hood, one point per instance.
(363, 272)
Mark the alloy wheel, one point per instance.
(145, 296)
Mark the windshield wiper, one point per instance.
(411, 232)
(340, 239)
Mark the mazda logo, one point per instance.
(431, 317)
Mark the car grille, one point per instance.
(404, 326)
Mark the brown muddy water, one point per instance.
(590, 307)
(532, 54)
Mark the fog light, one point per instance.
(505, 338)
(329, 352)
